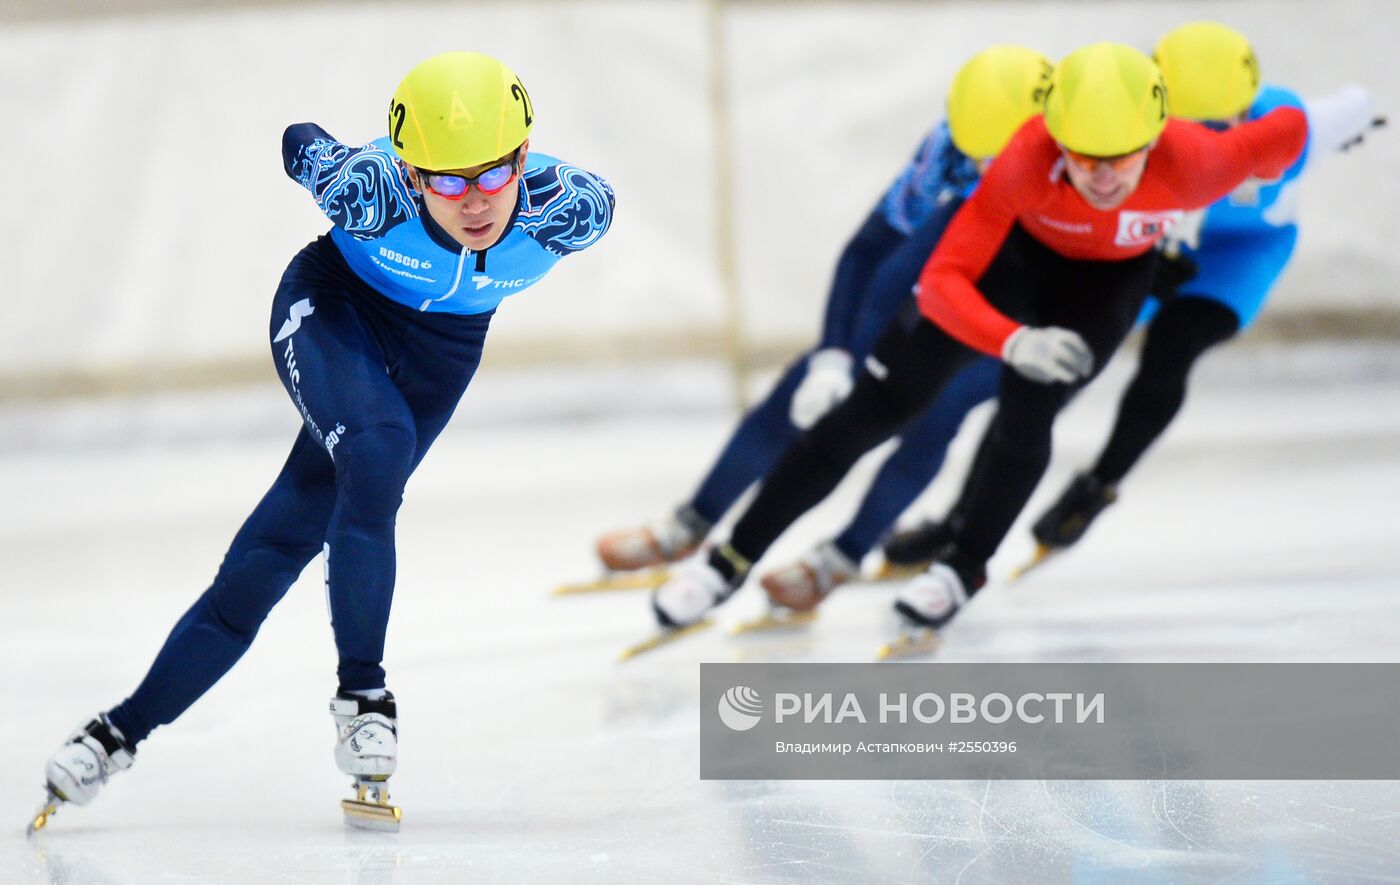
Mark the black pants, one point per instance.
(1182, 330)
(915, 359)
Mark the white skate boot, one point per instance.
(693, 588)
(930, 600)
(94, 752)
(367, 749)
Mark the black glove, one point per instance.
(1173, 270)
(1376, 123)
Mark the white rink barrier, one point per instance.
(149, 218)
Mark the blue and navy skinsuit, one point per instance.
(874, 279)
(376, 331)
(1242, 247)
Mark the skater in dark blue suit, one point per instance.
(376, 331)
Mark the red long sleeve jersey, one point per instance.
(1190, 167)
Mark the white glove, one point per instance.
(828, 381)
(1186, 232)
(1048, 354)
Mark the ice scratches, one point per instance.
(1335, 834)
(820, 852)
(1162, 813)
(1135, 856)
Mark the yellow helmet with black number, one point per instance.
(993, 94)
(1106, 99)
(1210, 71)
(457, 110)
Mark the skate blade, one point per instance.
(664, 637)
(893, 571)
(367, 815)
(919, 642)
(647, 579)
(1042, 554)
(41, 817)
(775, 620)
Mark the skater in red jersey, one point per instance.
(1046, 266)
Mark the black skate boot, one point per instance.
(910, 551)
(1070, 517)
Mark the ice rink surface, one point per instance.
(1264, 528)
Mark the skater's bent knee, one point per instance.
(867, 418)
(388, 443)
(372, 468)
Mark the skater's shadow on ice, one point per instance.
(56, 866)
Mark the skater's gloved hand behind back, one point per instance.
(1049, 354)
(828, 381)
(1173, 270)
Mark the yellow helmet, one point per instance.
(1106, 99)
(457, 110)
(1210, 70)
(993, 94)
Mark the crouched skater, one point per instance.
(376, 331)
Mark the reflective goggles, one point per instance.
(454, 187)
(1119, 163)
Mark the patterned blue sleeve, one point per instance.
(937, 173)
(567, 208)
(362, 190)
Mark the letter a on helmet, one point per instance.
(457, 110)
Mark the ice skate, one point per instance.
(367, 749)
(81, 766)
(911, 551)
(1070, 517)
(775, 617)
(663, 542)
(613, 582)
(803, 585)
(1061, 527)
(929, 601)
(911, 642)
(683, 603)
(638, 558)
(1042, 554)
(664, 636)
(795, 591)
